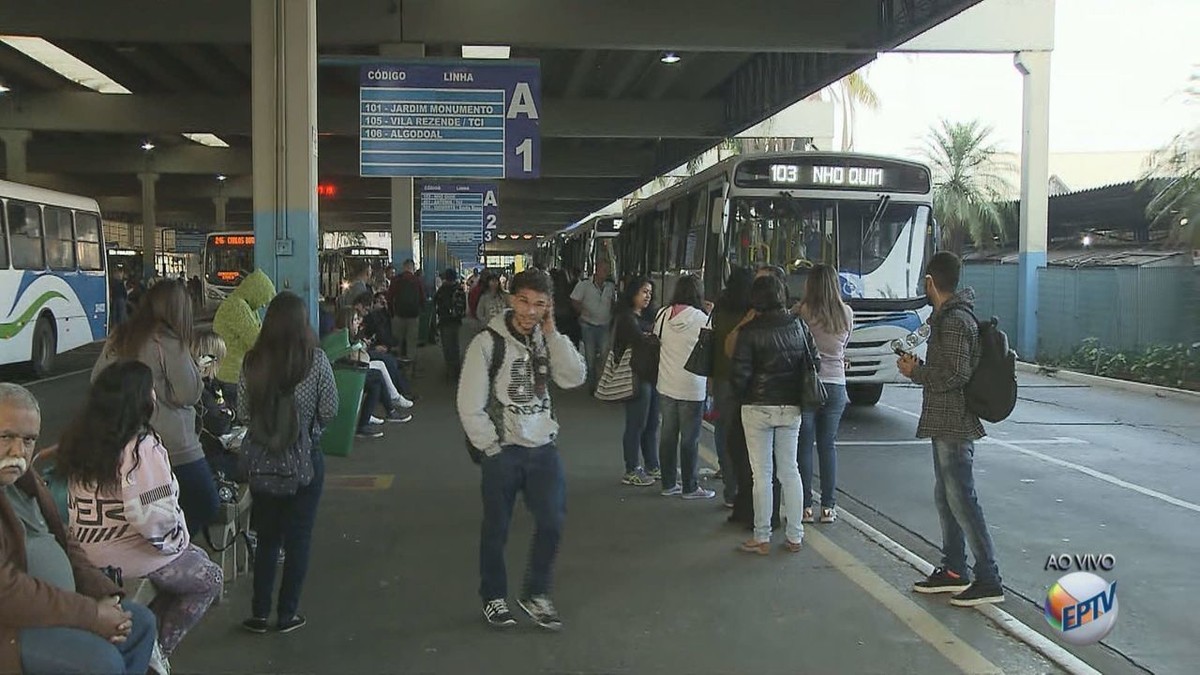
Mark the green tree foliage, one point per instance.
(969, 185)
(1176, 208)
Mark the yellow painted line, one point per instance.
(920, 621)
(965, 657)
(366, 482)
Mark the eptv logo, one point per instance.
(1082, 607)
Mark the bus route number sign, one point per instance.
(233, 240)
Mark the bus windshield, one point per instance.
(227, 265)
(858, 236)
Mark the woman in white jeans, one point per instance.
(770, 364)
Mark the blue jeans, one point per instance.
(680, 442)
(959, 510)
(538, 473)
(595, 345)
(372, 397)
(641, 427)
(393, 368)
(771, 432)
(285, 522)
(197, 494)
(727, 409)
(71, 651)
(821, 427)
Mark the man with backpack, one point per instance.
(450, 306)
(954, 353)
(406, 299)
(505, 409)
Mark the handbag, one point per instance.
(812, 390)
(700, 361)
(646, 352)
(616, 382)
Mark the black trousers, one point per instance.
(743, 503)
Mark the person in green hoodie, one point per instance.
(238, 323)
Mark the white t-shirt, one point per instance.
(597, 302)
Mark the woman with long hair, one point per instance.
(631, 325)
(830, 320)
(770, 364)
(159, 334)
(124, 506)
(731, 450)
(493, 301)
(285, 362)
(682, 393)
(216, 416)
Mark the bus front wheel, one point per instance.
(864, 394)
(44, 347)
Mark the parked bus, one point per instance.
(337, 265)
(53, 284)
(228, 258)
(870, 217)
(581, 245)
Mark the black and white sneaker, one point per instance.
(497, 614)
(541, 610)
(368, 432)
(399, 416)
(292, 623)
(942, 580)
(979, 593)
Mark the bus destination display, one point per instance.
(846, 174)
(233, 240)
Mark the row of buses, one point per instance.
(55, 267)
(870, 217)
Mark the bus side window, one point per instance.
(87, 241)
(60, 244)
(25, 236)
(3, 243)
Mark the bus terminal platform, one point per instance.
(644, 583)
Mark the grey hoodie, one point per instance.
(518, 415)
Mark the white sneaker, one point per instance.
(402, 402)
(374, 420)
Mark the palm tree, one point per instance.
(1176, 207)
(969, 185)
(848, 94)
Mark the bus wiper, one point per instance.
(880, 207)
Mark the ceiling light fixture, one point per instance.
(670, 58)
(4, 89)
(80, 72)
(486, 51)
(221, 177)
(1087, 240)
(147, 146)
(528, 236)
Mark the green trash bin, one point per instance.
(338, 438)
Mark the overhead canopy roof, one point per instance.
(614, 116)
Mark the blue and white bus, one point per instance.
(869, 216)
(53, 283)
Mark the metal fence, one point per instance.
(1122, 307)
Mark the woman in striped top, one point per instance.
(124, 501)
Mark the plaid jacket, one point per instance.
(952, 355)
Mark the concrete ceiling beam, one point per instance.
(221, 115)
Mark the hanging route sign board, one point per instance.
(450, 119)
(464, 215)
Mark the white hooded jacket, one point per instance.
(519, 415)
(678, 335)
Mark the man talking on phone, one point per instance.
(505, 408)
(953, 353)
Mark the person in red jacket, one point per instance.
(406, 300)
(60, 614)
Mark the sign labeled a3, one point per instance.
(489, 236)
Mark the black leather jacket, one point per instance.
(771, 360)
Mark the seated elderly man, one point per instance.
(58, 614)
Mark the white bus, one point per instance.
(53, 285)
(228, 258)
(871, 217)
(581, 245)
(337, 265)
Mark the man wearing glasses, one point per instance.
(505, 408)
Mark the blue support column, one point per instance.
(284, 102)
(1035, 178)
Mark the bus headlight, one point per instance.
(912, 340)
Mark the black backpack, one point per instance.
(458, 303)
(991, 393)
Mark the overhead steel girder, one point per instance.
(558, 161)
(221, 115)
(691, 25)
